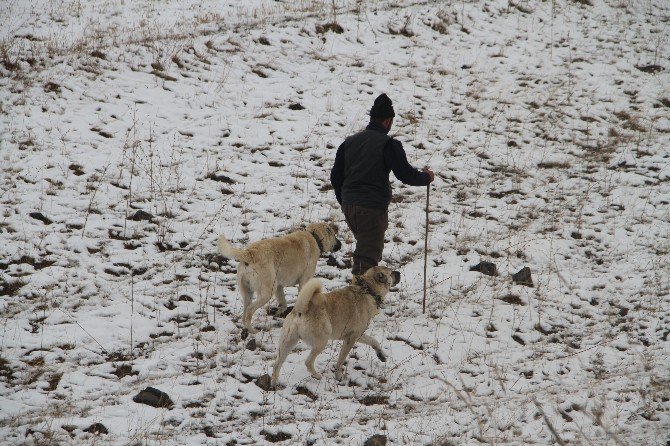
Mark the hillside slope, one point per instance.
(132, 134)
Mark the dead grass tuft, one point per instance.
(10, 288)
(329, 27)
(553, 165)
(404, 30)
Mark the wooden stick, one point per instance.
(425, 248)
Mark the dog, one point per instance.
(343, 314)
(267, 266)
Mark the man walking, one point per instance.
(360, 178)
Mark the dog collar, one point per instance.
(368, 290)
(318, 242)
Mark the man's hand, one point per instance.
(430, 173)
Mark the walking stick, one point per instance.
(425, 249)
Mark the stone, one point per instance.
(486, 268)
(96, 428)
(523, 277)
(264, 382)
(154, 398)
(141, 216)
(39, 216)
(371, 400)
(376, 440)
(277, 312)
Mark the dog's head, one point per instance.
(379, 280)
(326, 234)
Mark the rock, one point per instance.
(96, 428)
(486, 268)
(141, 216)
(221, 178)
(371, 400)
(519, 339)
(512, 299)
(39, 216)
(125, 370)
(340, 264)
(332, 261)
(296, 106)
(376, 440)
(302, 390)
(154, 398)
(652, 68)
(275, 311)
(169, 246)
(523, 277)
(209, 432)
(251, 345)
(264, 382)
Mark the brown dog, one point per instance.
(267, 266)
(342, 314)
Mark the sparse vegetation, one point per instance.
(129, 145)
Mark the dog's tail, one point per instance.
(305, 295)
(229, 250)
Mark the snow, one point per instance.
(550, 140)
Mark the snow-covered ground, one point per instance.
(548, 124)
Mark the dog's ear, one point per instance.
(381, 277)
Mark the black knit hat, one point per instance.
(383, 107)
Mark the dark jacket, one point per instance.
(369, 187)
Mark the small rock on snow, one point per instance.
(264, 382)
(486, 268)
(153, 397)
(523, 277)
(142, 216)
(376, 440)
(96, 428)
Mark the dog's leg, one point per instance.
(247, 293)
(281, 299)
(263, 296)
(289, 338)
(372, 342)
(318, 347)
(347, 344)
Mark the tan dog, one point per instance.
(267, 266)
(342, 314)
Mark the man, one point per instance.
(360, 178)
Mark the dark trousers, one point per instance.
(368, 226)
